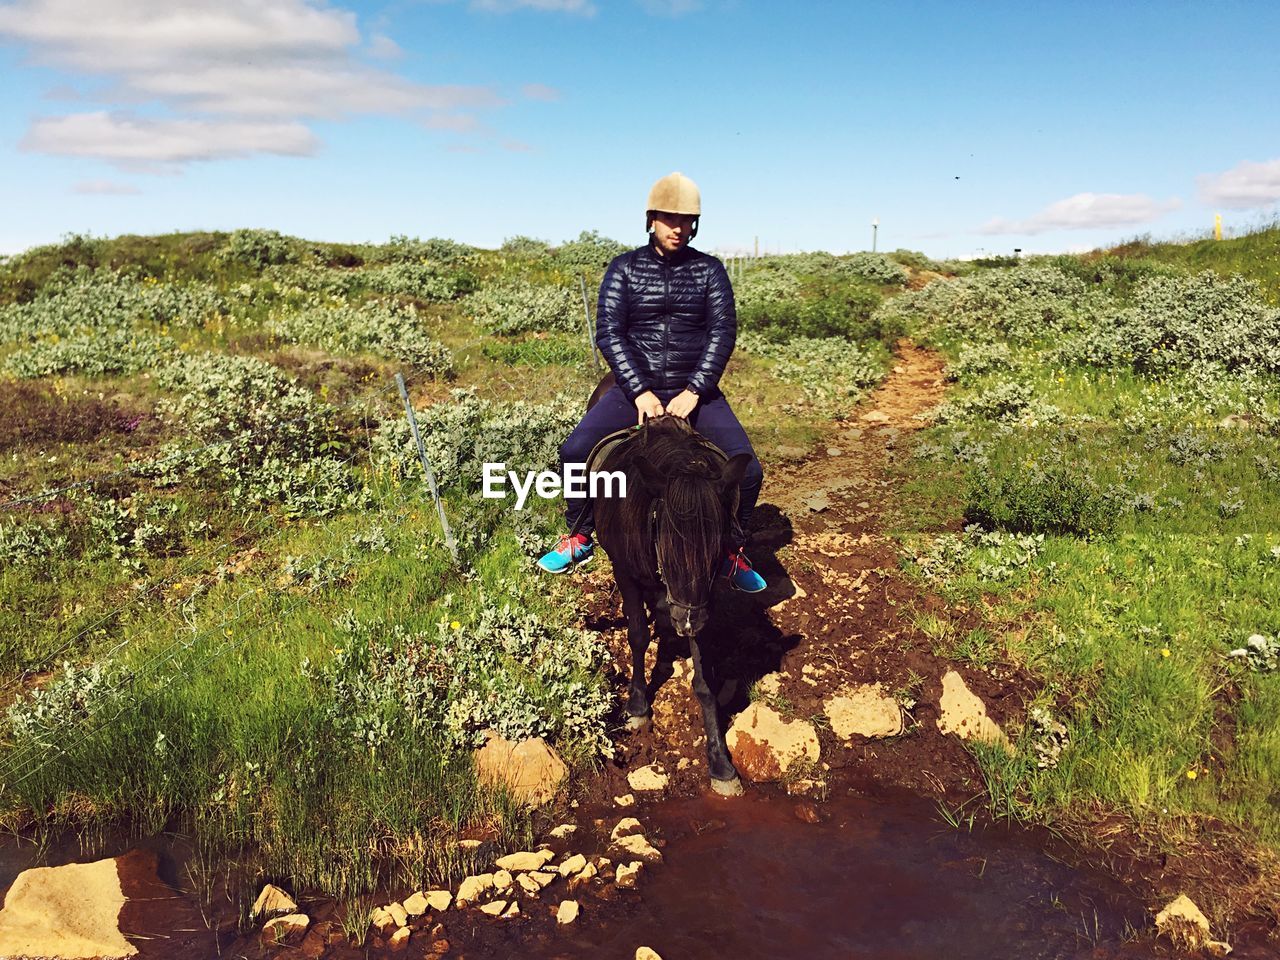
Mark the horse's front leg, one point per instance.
(724, 776)
(638, 708)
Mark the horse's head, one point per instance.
(693, 498)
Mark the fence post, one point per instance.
(586, 321)
(426, 468)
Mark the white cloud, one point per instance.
(1244, 186)
(539, 91)
(105, 188)
(582, 7)
(150, 145)
(383, 47)
(671, 8)
(236, 78)
(1086, 211)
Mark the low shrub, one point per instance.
(391, 330)
(258, 248)
(1053, 496)
(519, 305)
(589, 250)
(91, 354)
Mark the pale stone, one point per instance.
(502, 879)
(626, 800)
(764, 746)
(568, 911)
(586, 875)
(416, 904)
(512, 911)
(398, 914)
(965, 715)
(531, 771)
(639, 848)
(382, 920)
(564, 830)
(572, 865)
(494, 908)
(874, 416)
(470, 845)
(69, 911)
(528, 884)
(647, 778)
(541, 877)
(628, 874)
(272, 902)
(399, 940)
(1183, 923)
(644, 953)
(473, 888)
(626, 827)
(866, 710)
(439, 900)
(526, 860)
(283, 929)
(603, 863)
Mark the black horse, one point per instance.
(666, 540)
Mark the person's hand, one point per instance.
(682, 404)
(648, 405)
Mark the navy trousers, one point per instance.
(713, 418)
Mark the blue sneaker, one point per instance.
(569, 551)
(737, 568)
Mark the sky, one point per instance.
(963, 128)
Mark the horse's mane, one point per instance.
(689, 537)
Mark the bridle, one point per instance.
(657, 504)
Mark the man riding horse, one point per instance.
(666, 324)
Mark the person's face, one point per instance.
(671, 230)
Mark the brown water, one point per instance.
(874, 878)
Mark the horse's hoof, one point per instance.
(727, 788)
(639, 723)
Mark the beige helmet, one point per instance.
(674, 193)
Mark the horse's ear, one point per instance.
(653, 481)
(732, 473)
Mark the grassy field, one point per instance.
(227, 604)
(1113, 444)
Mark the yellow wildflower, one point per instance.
(1191, 774)
(455, 625)
(1164, 651)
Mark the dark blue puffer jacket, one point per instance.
(666, 323)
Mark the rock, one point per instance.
(568, 911)
(834, 452)
(511, 911)
(644, 953)
(531, 771)
(638, 848)
(647, 778)
(626, 800)
(625, 828)
(541, 877)
(502, 880)
(286, 928)
(439, 900)
(585, 876)
(495, 908)
(399, 940)
(818, 503)
(866, 710)
(764, 746)
(1183, 923)
(273, 902)
(69, 911)
(398, 914)
(874, 416)
(470, 845)
(603, 863)
(770, 685)
(520, 862)
(528, 884)
(416, 904)
(628, 874)
(572, 865)
(965, 715)
(473, 888)
(564, 830)
(382, 920)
